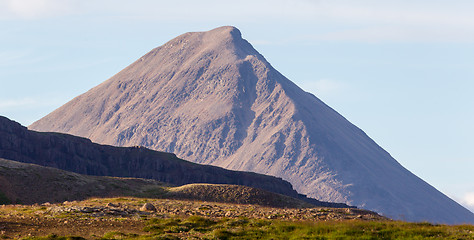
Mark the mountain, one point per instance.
(80, 155)
(30, 183)
(211, 98)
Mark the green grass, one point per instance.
(198, 227)
(118, 235)
(271, 229)
(55, 237)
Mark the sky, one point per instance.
(402, 71)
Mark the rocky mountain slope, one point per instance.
(80, 155)
(211, 98)
(30, 183)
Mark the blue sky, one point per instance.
(403, 71)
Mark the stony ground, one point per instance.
(94, 218)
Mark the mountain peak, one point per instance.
(226, 42)
(211, 98)
(226, 31)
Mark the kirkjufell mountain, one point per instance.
(211, 98)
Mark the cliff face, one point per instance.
(80, 155)
(211, 98)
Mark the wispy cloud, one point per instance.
(20, 57)
(365, 11)
(36, 9)
(324, 87)
(396, 34)
(468, 201)
(15, 103)
(26, 103)
(366, 20)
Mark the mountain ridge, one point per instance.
(81, 155)
(210, 97)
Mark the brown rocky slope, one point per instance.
(30, 183)
(80, 155)
(211, 98)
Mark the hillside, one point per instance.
(30, 183)
(80, 155)
(211, 98)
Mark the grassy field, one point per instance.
(197, 227)
(120, 218)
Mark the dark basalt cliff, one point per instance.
(80, 155)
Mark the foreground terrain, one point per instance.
(127, 218)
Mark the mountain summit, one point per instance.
(211, 98)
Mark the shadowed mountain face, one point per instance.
(210, 97)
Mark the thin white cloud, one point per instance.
(365, 20)
(324, 87)
(36, 9)
(395, 34)
(468, 200)
(29, 109)
(15, 103)
(399, 12)
(20, 57)
(26, 103)
(344, 11)
(12, 56)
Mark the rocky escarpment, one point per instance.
(80, 155)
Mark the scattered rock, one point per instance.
(112, 205)
(273, 216)
(87, 210)
(148, 207)
(169, 208)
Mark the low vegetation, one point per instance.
(244, 228)
(122, 218)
